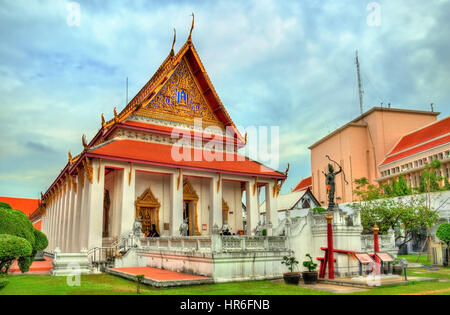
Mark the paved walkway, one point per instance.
(159, 277)
(37, 267)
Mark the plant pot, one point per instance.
(310, 277)
(397, 270)
(291, 278)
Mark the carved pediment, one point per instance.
(147, 199)
(188, 190)
(180, 100)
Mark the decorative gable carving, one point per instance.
(180, 100)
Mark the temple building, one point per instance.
(169, 157)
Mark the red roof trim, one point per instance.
(303, 184)
(416, 150)
(160, 154)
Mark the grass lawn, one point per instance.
(413, 259)
(105, 284)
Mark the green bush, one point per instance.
(443, 232)
(12, 248)
(41, 240)
(16, 223)
(5, 205)
(318, 210)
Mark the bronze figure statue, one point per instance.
(331, 183)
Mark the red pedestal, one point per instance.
(330, 250)
(376, 248)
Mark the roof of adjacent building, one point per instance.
(26, 205)
(289, 200)
(423, 139)
(304, 184)
(163, 155)
(356, 122)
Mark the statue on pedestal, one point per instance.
(258, 229)
(331, 183)
(137, 228)
(184, 228)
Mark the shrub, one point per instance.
(16, 223)
(12, 248)
(5, 205)
(41, 240)
(3, 283)
(318, 210)
(443, 232)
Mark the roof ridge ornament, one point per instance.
(85, 144)
(172, 52)
(192, 28)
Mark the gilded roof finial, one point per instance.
(83, 140)
(116, 117)
(245, 139)
(70, 158)
(192, 28)
(103, 121)
(287, 170)
(172, 52)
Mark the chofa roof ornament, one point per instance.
(192, 28)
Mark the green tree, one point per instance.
(402, 215)
(16, 223)
(367, 191)
(12, 248)
(443, 233)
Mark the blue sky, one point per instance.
(273, 63)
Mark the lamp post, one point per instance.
(404, 264)
(330, 246)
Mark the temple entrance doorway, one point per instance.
(190, 201)
(147, 208)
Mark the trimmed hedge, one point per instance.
(443, 232)
(12, 248)
(5, 205)
(16, 223)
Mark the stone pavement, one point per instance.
(159, 277)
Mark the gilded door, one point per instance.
(147, 216)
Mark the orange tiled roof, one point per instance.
(426, 138)
(304, 184)
(161, 154)
(25, 205)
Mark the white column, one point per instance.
(51, 227)
(76, 241)
(64, 219)
(176, 203)
(58, 223)
(251, 200)
(68, 222)
(271, 208)
(127, 213)
(95, 207)
(215, 204)
(83, 231)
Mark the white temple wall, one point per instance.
(232, 195)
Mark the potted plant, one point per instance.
(291, 277)
(310, 276)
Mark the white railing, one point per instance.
(215, 243)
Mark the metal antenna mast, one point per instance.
(361, 91)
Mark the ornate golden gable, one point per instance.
(180, 100)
